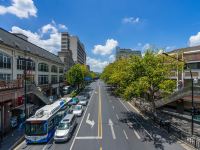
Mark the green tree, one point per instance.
(147, 76)
(75, 75)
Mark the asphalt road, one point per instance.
(117, 126)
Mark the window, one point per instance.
(54, 69)
(5, 61)
(60, 78)
(5, 77)
(30, 65)
(43, 67)
(195, 65)
(54, 79)
(61, 70)
(43, 79)
(36, 128)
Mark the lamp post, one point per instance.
(192, 89)
(25, 60)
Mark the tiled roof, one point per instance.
(14, 41)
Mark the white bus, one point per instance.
(40, 127)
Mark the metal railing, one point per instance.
(186, 91)
(12, 84)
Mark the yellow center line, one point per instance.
(99, 116)
(100, 119)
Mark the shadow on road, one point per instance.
(149, 131)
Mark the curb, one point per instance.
(17, 143)
(139, 112)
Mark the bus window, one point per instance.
(36, 128)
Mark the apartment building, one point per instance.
(72, 43)
(44, 71)
(125, 53)
(66, 54)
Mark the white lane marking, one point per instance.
(124, 105)
(117, 117)
(136, 119)
(134, 107)
(20, 145)
(88, 137)
(125, 134)
(110, 123)
(81, 122)
(113, 107)
(137, 135)
(90, 122)
(137, 110)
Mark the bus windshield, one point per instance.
(38, 128)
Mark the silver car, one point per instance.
(65, 128)
(83, 100)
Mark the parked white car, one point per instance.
(77, 110)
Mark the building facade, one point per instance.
(66, 54)
(191, 57)
(125, 53)
(44, 71)
(77, 48)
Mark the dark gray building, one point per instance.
(126, 52)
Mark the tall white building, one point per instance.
(73, 44)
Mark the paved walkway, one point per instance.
(11, 138)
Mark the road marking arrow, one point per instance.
(88, 121)
(110, 123)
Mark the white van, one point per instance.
(65, 128)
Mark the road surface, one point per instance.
(109, 123)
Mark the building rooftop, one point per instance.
(14, 41)
(186, 49)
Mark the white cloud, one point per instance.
(105, 49)
(131, 20)
(169, 48)
(194, 40)
(62, 26)
(112, 58)
(146, 46)
(96, 65)
(51, 44)
(49, 28)
(20, 8)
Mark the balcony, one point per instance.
(13, 84)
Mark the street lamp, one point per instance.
(192, 81)
(25, 60)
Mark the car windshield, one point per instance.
(77, 108)
(83, 99)
(63, 126)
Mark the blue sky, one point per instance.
(103, 24)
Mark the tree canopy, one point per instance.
(147, 76)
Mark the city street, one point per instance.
(110, 124)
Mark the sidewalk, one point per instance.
(11, 138)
